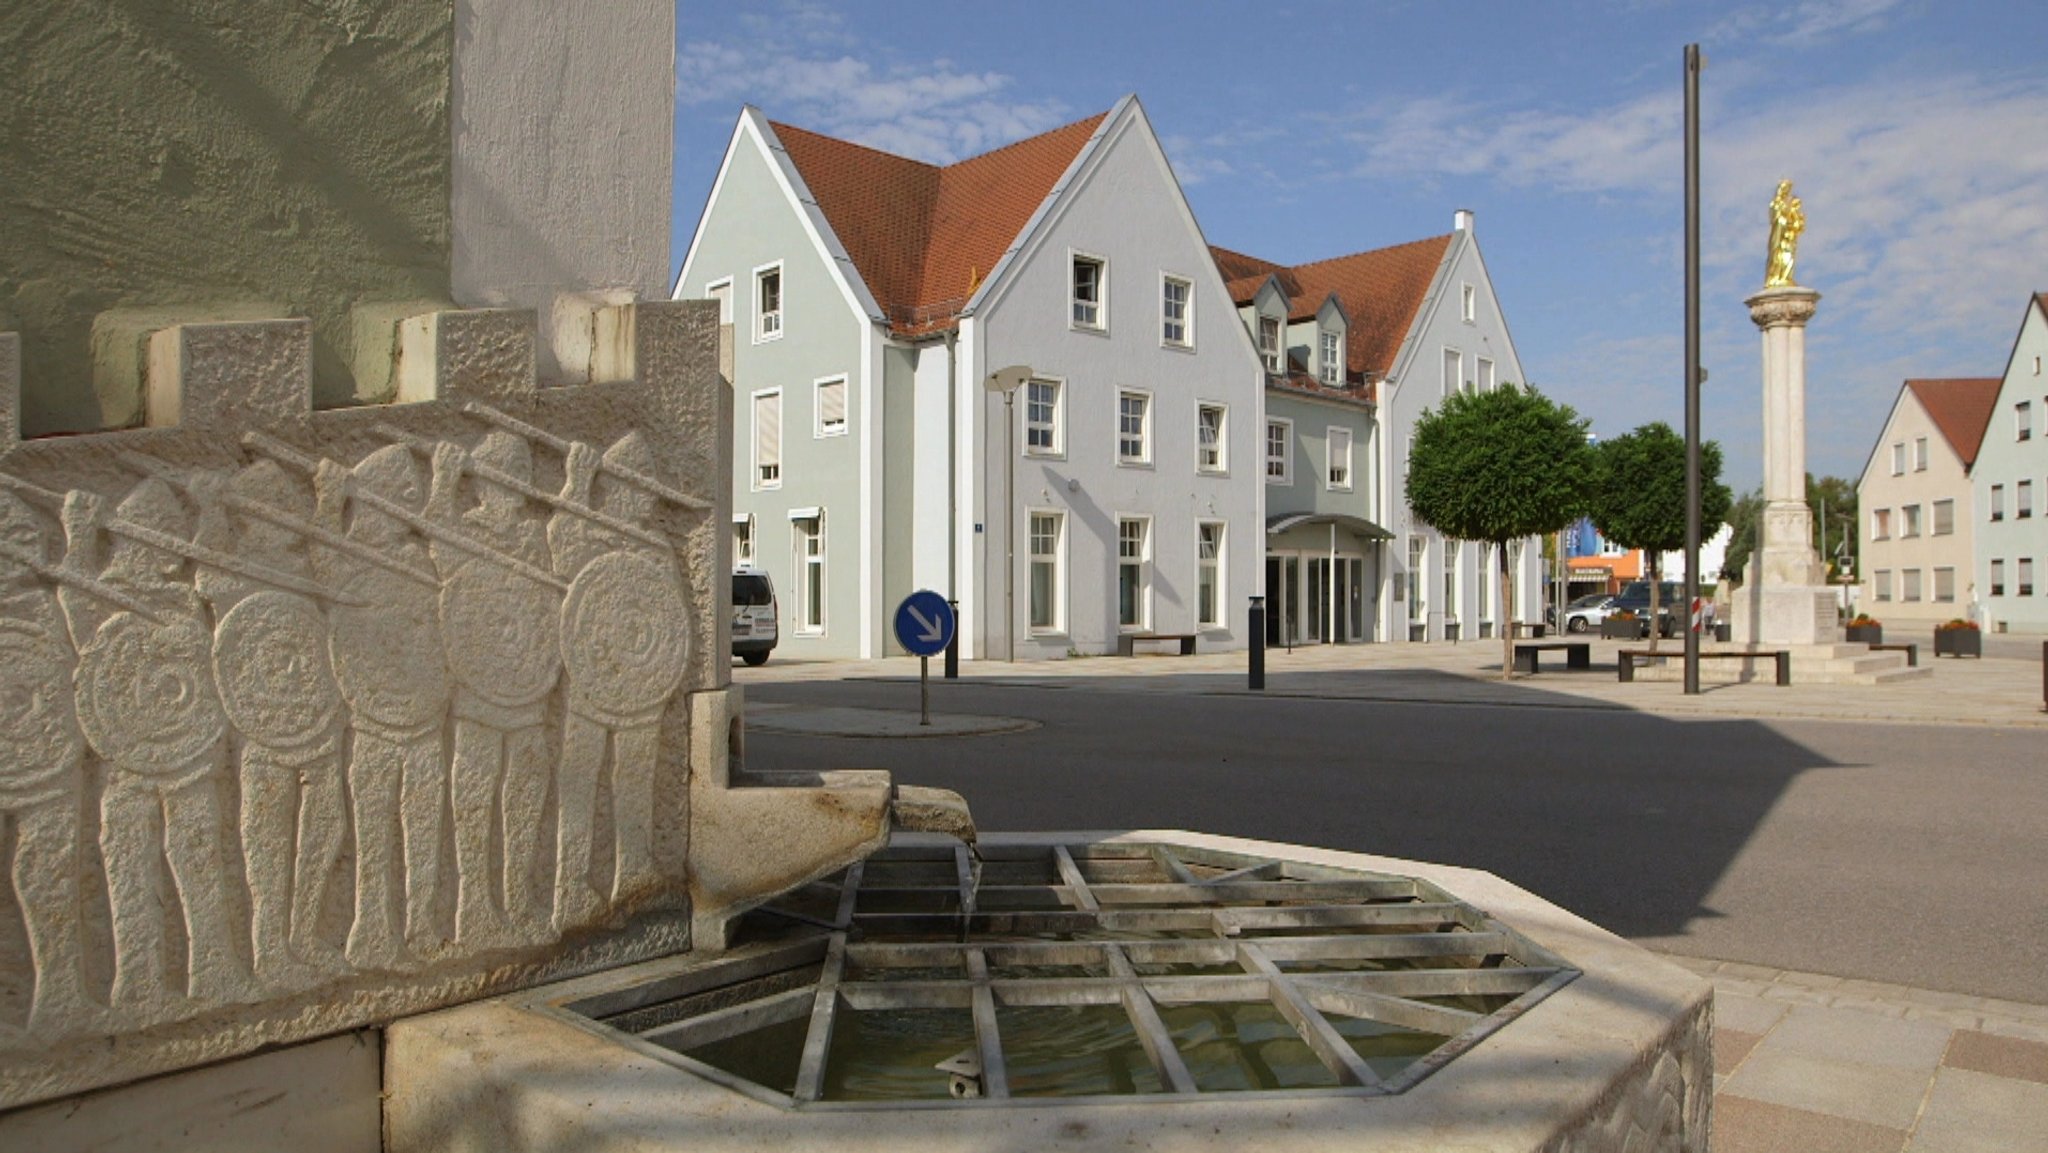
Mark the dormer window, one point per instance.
(1269, 343)
(1332, 358)
(1089, 278)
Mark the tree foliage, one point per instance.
(1637, 496)
(1838, 496)
(1499, 466)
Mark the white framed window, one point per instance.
(1412, 580)
(1269, 343)
(1909, 584)
(1088, 288)
(1044, 433)
(768, 439)
(768, 302)
(1919, 454)
(1134, 572)
(2037, 366)
(2023, 500)
(1133, 427)
(1332, 357)
(1469, 304)
(1899, 459)
(1485, 375)
(1997, 576)
(1048, 571)
(1454, 370)
(1176, 312)
(831, 407)
(2023, 420)
(1212, 423)
(1279, 451)
(742, 539)
(721, 291)
(1944, 517)
(1880, 524)
(1997, 502)
(2026, 576)
(1909, 521)
(1209, 599)
(807, 533)
(1450, 581)
(1340, 459)
(1945, 585)
(1881, 584)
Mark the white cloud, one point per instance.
(804, 67)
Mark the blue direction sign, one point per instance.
(924, 623)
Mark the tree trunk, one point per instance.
(1507, 614)
(1656, 567)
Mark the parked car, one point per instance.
(1586, 612)
(753, 616)
(1635, 598)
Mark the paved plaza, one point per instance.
(1804, 1061)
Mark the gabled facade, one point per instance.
(1415, 321)
(1917, 534)
(873, 296)
(2007, 484)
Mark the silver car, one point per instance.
(753, 616)
(1587, 612)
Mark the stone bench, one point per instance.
(1125, 642)
(1627, 660)
(1577, 654)
(1911, 649)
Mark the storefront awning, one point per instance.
(1357, 526)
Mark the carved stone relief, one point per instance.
(333, 716)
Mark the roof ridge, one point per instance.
(1374, 251)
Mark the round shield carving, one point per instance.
(270, 657)
(145, 694)
(387, 657)
(500, 631)
(625, 633)
(38, 725)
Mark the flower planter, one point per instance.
(1622, 628)
(1866, 634)
(1958, 643)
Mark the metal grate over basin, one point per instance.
(1086, 971)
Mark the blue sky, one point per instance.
(1917, 133)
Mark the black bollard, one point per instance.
(953, 645)
(1258, 649)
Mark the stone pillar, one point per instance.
(1784, 599)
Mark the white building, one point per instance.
(2007, 481)
(872, 296)
(1919, 529)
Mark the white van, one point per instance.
(753, 616)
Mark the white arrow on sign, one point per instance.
(932, 631)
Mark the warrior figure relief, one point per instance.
(499, 628)
(625, 643)
(40, 768)
(146, 702)
(388, 663)
(270, 657)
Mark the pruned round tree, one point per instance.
(1637, 497)
(1499, 466)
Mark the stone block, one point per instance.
(244, 373)
(121, 350)
(10, 389)
(374, 360)
(481, 354)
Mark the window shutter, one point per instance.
(832, 404)
(768, 431)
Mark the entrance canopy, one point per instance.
(1356, 525)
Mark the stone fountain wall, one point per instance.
(312, 720)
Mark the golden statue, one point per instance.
(1788, 220)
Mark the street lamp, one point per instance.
(1007, 381)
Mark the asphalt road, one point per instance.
(1915, 855)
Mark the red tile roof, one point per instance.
(923, 237)
(1960, 408)
(1380, 291)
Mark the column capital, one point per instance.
(1778, 307)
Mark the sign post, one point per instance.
(924, 627)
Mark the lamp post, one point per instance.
(1007, 381)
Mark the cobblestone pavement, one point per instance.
(1803, 1061)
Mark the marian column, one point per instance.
(1784, 599)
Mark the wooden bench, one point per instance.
(1126, 641)
(1577, 654)
(1628, 658)
(1911, 649)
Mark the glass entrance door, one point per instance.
(1283, 600)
